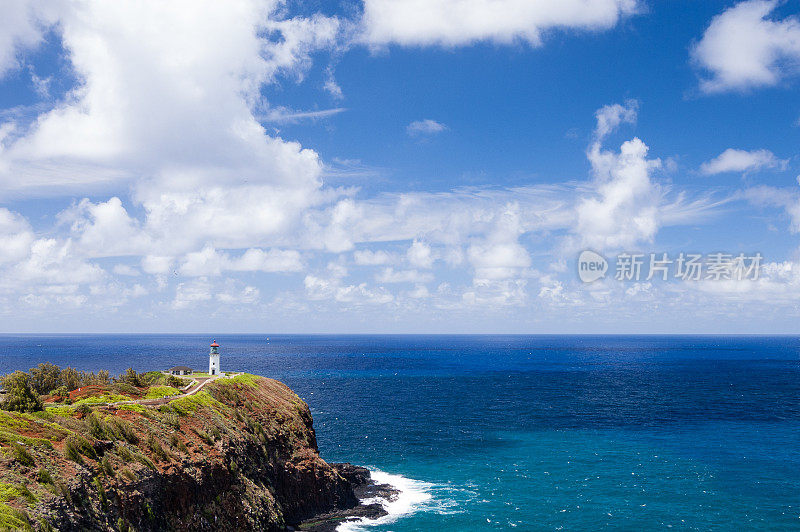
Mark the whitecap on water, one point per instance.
(413, 496)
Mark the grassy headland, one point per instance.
(240, 451)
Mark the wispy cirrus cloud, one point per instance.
(283, 115)
(784, 198)
(425, 127)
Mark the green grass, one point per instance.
(43, 415)
(11, 519)
(10, 492)
(139, 409)
(100, 399)
(158, 392)
(125, 389)
(244, 378)
(190, 404)
(120, 429)
(11, 438)
(11, 421)
(63, 411)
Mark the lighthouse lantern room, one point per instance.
(213, 359)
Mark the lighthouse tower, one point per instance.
(213, 359)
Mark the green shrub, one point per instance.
(44, 476)
(105, 466)
(62, 392)
(22, 456)
(71, 451)
(121, 429)
(151, 378)
(96, 427)
(101, 492)
(173, 420)
(155, 446)
(63, 489)
(45, 526)
(76, 446)
(205, 437)
(14, 437)
(130, 475)
(124, 453)
(145, 461)
(176, 382)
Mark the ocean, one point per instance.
(523, 432)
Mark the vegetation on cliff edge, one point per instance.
(74, 458)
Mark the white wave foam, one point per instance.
(412, 496)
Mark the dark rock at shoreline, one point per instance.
(365, 489)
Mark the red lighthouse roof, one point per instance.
(214, 344)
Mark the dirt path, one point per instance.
(200, 382)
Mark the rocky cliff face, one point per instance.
(239, 455)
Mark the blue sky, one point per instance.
(377, 166)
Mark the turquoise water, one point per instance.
(527, 433)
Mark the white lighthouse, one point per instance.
(213, 359)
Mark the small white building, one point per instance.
(179, 370)
(213, 360)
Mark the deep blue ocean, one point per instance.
(525, 432)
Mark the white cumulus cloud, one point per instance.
(624, 208)
(743, 48)
(209, 262)
(733, 160)
(463, 22)
(366, 257)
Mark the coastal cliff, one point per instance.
(240, 454)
